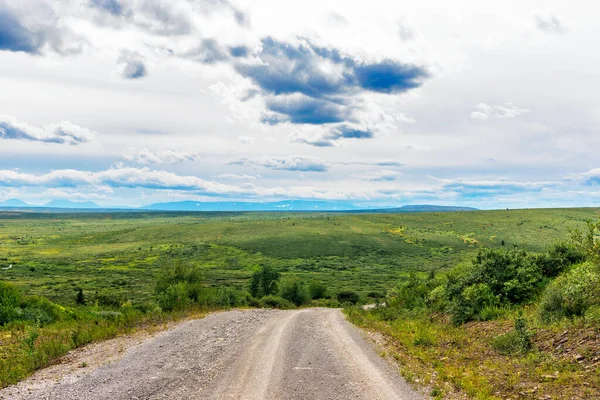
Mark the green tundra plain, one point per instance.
(53, 254)
(67, 279)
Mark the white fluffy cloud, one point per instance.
(63, 132)
(484, 111)
(147, 157)
(295, 163)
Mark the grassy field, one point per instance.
(113, 261)
(53, 254)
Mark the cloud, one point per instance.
(34, 30)
(208, 52)
(332, 134)
(318, 72)
(492, 188)
(63, 132)
(133, 65)
(589, 178)
(303, 83)
(16, 37)
(239, 51)
(246, 139)
(550, 24)
(113, 7)
(295, 163)
(300, 109)
(384, 175)
(237, 177)
(484, 111)
(146, 157)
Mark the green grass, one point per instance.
(53, 254)
(117, 256)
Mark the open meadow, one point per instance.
(476, 302)
(117, 253)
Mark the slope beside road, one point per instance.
(251, 354)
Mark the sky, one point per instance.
(378, 103)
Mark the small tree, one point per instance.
(79, 297)
(264, 282)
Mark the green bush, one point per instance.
(294, 290)
(558, 258)
(264, 282)
(317, 290)
(572, 294)
(271, 301)
(514, 342)
(592, 315)
(494, 278)
(10, 301)
(174, 297)
(348, 296)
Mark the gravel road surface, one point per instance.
(251, 354)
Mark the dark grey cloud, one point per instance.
(303, 110)
(14, 36)
(308, 84)
(239, 51)
(20, 32)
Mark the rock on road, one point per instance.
(251, 354)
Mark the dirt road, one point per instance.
(253, 354)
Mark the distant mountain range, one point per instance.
(286, 205)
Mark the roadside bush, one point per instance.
(10, 300)
(494, 278)
(348, 296)
(514, 342)
(317, 290)
(294, 290)
(276, 302)
(572, 294)
(264, 282)
(558, 259)
(174, 297)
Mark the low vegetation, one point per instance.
(496, 327)
(462, 291)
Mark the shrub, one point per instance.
(572, 294)
(516, 341)
(173, 272)
(592, 315)
(558, 258)
(264, 282)
(114, 300)
(494, 278)
(317, 290)
(348, 296)
(294, 290)
(174, 297)
(10, 299)
(276, 302)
